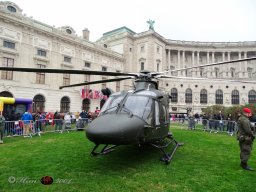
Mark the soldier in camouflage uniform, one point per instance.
(2, 119)
(245, 137)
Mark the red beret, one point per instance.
(247, 110)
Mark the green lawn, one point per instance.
(206, 162)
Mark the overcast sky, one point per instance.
(190, 20)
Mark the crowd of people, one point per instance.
(28, 123)
(214, 123)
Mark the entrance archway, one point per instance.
(6, 94)
(38, 103)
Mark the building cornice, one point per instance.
(57, 34)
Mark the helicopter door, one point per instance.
(160, 119)
(157, 115)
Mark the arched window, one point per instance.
(174, 95)
(235, 97)
(86, 104)
(219, 97)
(203, 96)
(252, 96)
(188, 96)
(64, 105)
(5, 94)
(38, 103)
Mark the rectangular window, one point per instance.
(66, 79)
(40, 77)
(7, 62)
(9, 44)
(142, 66)
(41, 52)
(67, 59)
(104, 68)
(88, 65)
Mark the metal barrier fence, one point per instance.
(211, 125)
(29, 128)
(21, 128)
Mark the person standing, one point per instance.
(230, 125)
(57, 121)
(245, 137)
(205, 121)
(2, 120)
(27, 118)
(191, 121)
(220, 123)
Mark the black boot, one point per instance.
(246, 167)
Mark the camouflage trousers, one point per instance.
(245, 149)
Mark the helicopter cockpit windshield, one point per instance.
(111, 104)
(140, 106)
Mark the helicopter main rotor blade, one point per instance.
(204, 78)
(96, 82)
(206, 65)
(83, 72)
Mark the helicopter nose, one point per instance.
(117, 129)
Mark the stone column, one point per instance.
(245, 65)
(240, 72)
(213, 61)
(178, 55)
(169, 59)
(223, 67)
(208, 69)
(183, 62)
(228, 65)
(193, 64)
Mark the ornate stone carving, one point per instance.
(10, 34)
(105, 61)
(67, 51)
(87, 56)
(42, 43)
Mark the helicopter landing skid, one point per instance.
(167, 157)
(105, 150)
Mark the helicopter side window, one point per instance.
(111, 104)
(157, 113)
(162, 111)
(140, 106)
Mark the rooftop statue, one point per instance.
(151, 23)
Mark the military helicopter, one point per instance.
(134, 117)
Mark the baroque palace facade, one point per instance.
(26, 42)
